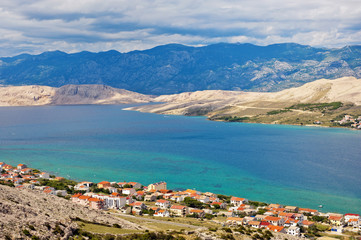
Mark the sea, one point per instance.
(290, 165)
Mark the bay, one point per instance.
(293, 165)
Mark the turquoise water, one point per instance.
(304, 166)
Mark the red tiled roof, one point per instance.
(177, 207)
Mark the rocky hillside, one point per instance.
(175, 68)
(69, 94)
(237, 103)
(45, 216)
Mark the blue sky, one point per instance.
(100, 25)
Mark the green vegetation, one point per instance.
(231, 118)
(317, 106)
(59, 184)
(224, 198)
(274, 112)
(193, 203)
(257, 204)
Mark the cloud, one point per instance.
(94, 25)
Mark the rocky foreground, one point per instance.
(45, 216)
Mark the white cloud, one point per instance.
(94, 25)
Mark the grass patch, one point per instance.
(231, 118)
(274, 112)
(95, 228)
(317, 106)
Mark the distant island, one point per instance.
(45, 205)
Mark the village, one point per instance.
(353, 122)
(158, 201)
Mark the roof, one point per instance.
(162, 201)
(95, 200)
(104, 182)
(352, 214)
(254, 223)
(237, 199)
(335, 218)
(76, 195)
(306, 222)
(270, 218)
(178, 207)
(84, 197)
(275, 228)
(306, 210)
(263, 223)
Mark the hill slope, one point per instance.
(68, 94)
(45, 215)
(330, 98)
(176, 68)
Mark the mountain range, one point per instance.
(174, 68)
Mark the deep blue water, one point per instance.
(304, 166)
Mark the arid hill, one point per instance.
(69, 94)
(45, 216)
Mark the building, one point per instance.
(96, 203)
(294, 231)
(236, 201)
(276, 229)
(234, 221)
(103, 184)
(179, 210)
(199, 213)
(162, 203)
(157, 186)
(276, 221)
(21, 166)
(150, 198)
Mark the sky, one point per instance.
(35, 26)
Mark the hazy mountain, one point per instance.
(176, 68)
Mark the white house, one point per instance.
(236, 201)
(128, 191)
(294, 231)
(44, 175)
(162, 213)
(162, 203)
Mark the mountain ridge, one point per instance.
(176, 68)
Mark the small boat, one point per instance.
(320, 206)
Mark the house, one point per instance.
(138, 205)
(128, 191)
(202, 198)
(162, 213)
(220, 204)
(96, 203)
(179, 210)
(291, 209)
(337, 230)
(307, 210)
(234, 221)
(21, 166)
(264, 224)
(294, 231)
(277, 221)
(349, 216)
(26, 170)
(306, 223)
(199, 213)
(2, 164)
(135, 185)
(254, 224)
(275, 206)
(177, 198)
(353, 222)
(150, 198)
(236, 201)
(163, 203)
(83, 200)
(157, 186)
(336, 220)
(276, 229)
(103, 184)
